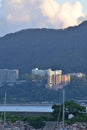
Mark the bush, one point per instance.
(35, 121)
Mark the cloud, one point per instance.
(81, 19)
(62, 15)
(15, 10)
(19, 14)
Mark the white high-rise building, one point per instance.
(38, 72)
(12, 75)
(8, 75)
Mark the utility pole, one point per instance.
(5, 112)
(63, 109)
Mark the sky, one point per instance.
(16, 15)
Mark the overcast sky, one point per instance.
(21, 14)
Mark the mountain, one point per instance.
(46, 48)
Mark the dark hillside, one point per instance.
(46, 48)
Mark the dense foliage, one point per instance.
(35, 121)
(71, 107)
(30, 92)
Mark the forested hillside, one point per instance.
(46, 48)
(31, 92)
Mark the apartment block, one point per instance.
(38, 72)
(8, 75)
(65, 79)
(55, 79)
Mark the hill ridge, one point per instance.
(45, 48)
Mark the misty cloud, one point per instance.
(21, 14)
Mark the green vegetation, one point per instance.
(73, 108)
(35, 91)
(10, 117)
(35, 121)
(38, 121)
(79, 118)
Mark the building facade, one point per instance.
(8, 75)
(55, 79)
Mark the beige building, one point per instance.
(50, 78)
(56, 79)
(65, 79)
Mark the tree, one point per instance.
(56, 111)
(74, 108)
(71, 107)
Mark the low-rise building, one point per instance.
(38, 72)
(78, 75)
